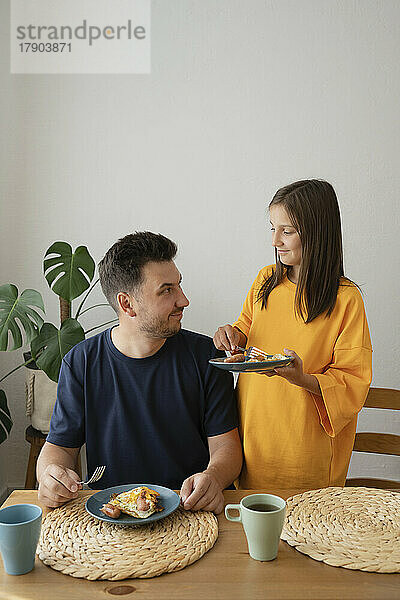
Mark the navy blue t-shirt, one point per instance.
(147, 419)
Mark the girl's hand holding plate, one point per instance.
(293, 373)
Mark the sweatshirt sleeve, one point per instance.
(246, 316)
(345, 382)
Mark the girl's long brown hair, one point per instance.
(314, 212)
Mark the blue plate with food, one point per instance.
(133, 504)
(244, 363)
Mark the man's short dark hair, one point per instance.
(121, 269)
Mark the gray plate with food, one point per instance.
(161, 500)
(249, 365)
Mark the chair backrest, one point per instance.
(378, 443)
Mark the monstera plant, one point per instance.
(69, 274)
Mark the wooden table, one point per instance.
(225, 572)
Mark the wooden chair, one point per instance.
(36, 439)
(378, 443)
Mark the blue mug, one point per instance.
(19, 536)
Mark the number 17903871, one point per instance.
(45, 47)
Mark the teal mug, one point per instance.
(19, 535)
(262, 517)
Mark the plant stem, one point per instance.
(97, 326)
(78, 312)
(65, 309)
(94, 306)
(16, 368)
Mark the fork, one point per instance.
(97, 474)
(252, 352)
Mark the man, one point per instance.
(142, 395)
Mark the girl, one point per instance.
(298, 423)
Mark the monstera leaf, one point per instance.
(5, 418)
(49, 347)
(69, 273)
(12, 308)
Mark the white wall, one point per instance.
(243, 98)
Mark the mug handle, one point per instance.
(229, 507)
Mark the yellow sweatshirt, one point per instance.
(291, 437)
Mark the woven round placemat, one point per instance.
(355, 528)
(77, 544)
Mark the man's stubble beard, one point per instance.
(155, 328)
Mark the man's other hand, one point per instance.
(57, 485)
(202, 491)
